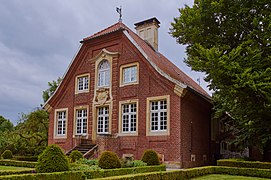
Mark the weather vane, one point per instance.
(118, 9)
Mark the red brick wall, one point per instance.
(196, 132)
(150, 84)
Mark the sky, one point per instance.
(38, 40)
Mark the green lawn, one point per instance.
(226, 177)
(11, 168)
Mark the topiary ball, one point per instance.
(52, 159)
(109, 160)
(7, 154)
(151, 158)
(75, 155)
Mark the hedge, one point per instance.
(122, 171)
(253, 172)
(67, 175)
(4, 162)
(243, 164)
(26, 158)
(195, 172)
(10, 172)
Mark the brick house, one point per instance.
(120, 94)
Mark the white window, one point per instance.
(81, 121)
(103, 120)
(82, 83)
(61, 122)
(158, 115)
(104, 74)
(130, 74)
(129, 118)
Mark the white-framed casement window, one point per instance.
(158, 116)
(60, 123)
(104, 74)
(81, 121)
(129, 74)
(103, 120)
(129, 117)
(82, 83)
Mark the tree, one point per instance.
(50, 91)
(230, 42)
(5, 124)
(32, 132)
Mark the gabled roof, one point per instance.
(155, 57)
(164, 66)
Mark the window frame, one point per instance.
(159, 132)
(103, 116)
(76, 109)
(122, 70)
(77, 91)
(56, 120)
(128, 133)
(104, 72)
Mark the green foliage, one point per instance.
(133, 163)
(26, 158)
(122, 171)
(109, 160)
(12, 172)
(84, 167)
(7, 154)
(50, 91)
(150, 157)
(70, 175)
(243, 164)
(87, 161)
(17, 163)
(5, 124)
(52, 160)
(230, 42)
(75, 155)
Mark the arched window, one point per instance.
(104, 74)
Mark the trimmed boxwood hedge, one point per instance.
(195, 172)
(243, 164)
(122, 171)
(5, 162)
(10, 172)
(26, 158)
(67, 175)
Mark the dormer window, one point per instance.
(104, 74)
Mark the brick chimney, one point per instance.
(148, 30)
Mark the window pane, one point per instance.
(129, 117)
(158, 115)
(130, 74)
(103, 120)
(104, 74)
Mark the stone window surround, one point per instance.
(58, 136)
(121, 133)
(122, 67)
(148, 125)
(76, 83)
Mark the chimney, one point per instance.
(148, 30)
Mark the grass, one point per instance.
(226, 177)
(13, 168)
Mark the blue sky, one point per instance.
(38, 40)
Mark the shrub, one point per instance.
(52, 160)
(243, 164)
(151, 158)
(87, 161)
(75, 155)
(133, 163)
(84, 167)
(7, 154)
(109, 160)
